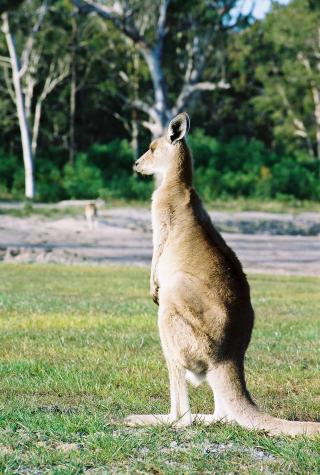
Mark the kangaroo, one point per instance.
(205, 316)
(91, 212)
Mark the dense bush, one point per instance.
(246, 168)
(239, 168)
(9, 166)
(82, 179)
(49, 181)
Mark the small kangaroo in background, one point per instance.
(205, 315)
(91, 213)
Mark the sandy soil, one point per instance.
(123, 236)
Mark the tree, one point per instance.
(7, 5)
(198, 32)
(18, 69)
(25, 77)
(290, 75)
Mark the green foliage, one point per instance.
(258, 139)
(247, 168)
(8, 5)
(114, 159)
(50, 185)
(8, 165)
(128, 188)
(239, 168)
(110, 168)
(82, 180)
(294, 179)
(276, 67)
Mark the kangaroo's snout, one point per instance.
(135, 166)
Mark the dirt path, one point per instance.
(123, 236)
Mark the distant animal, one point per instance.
(91, 213)
(205, 315)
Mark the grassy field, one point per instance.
(79, 351)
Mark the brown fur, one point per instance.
(205, 313)
(91, 213)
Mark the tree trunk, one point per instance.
(36, 126)
(73, 91)
(21, 113)
(153, 59)
(134, 114)
(134, 135)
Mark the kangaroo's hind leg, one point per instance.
(180, 413)
(179, 399)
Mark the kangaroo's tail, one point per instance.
(235, 404)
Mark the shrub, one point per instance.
(205, 149)
(240, 167)
(49, 181)
(128, 187)
(82, 180)
(114, 159)
(9, 165)
(294, 179)
(18, 184)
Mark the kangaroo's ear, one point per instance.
(178, 127)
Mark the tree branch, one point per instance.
(161, 27)
(299, 127)
(52, 81)
(8, 83)
(25, 56)
(189, 89)
(115, 14)
(5, 60)
(315, 95)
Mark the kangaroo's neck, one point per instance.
(176, 183)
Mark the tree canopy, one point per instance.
(99, 78)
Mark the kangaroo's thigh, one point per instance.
(181, 342)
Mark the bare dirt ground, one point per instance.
(264, 242)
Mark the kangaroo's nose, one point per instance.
(136, 163)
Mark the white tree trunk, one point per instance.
(21, 113)
(159, 112)
(153, 59)
(36, 126)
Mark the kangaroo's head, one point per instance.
(167, 152)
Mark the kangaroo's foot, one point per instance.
(148, 419)
(208, 419)
(157, 419)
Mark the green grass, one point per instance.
(79, 351)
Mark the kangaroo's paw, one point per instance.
(157, 419)
(148, 419)
(207, 419)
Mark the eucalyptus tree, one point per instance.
(19, 67)
(9, 5)
(30, 73)
(171, 37)
(289, 74)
